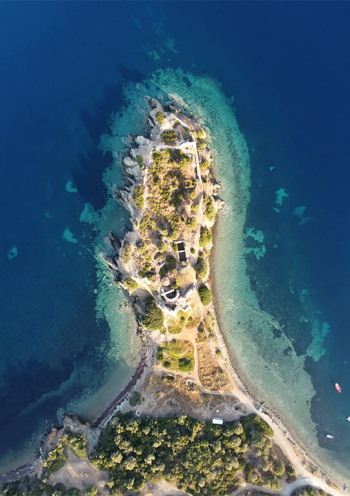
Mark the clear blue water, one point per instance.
(63, 65)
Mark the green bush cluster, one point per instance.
(205, 237)
(169, 137)
(202, 267)
(34, 487)
(205, 164)
(138, 197)
(160, 117)
(153, 315)
(135, 398)
(78, 445)
(201, 144)
(169, 265)
(180, 158)
(56, 458)
(210, 211)
(199, 457)
(309, 491)
(205, 295)
(126, 252)
(177, 355)
(130, 283)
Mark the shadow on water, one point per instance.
(88, 173)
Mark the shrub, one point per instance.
(169, 265)
(210, 211)
(185, 365)
(91, 491)
(160, 117)
(192, 250)
(78, 445)
(157, 157)
(130, 283)
(205, 237)
(73, 492)
(153, 316)
(201, 145)
(56, 458)
(138, 197)
(205, 295)
(126, 253)
(192, 193)
(205, 164)
(169, 137)
(201, 267)
(191, 223)
(180, 158)
(135, 399)
(278, 468)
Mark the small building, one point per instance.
(181, 251)
(217, 420)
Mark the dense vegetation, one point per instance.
(199, 457)
(309, 491)
(205, 237)
(153, 316)
(138, 197)
(58, 456)
(126, 252)
(202, 267)
(169, 137)
(205, 295)
(130, 283)
(35, 487)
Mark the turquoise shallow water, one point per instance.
(284, 64)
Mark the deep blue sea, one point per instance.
(63, 65)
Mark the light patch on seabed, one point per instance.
(12, 252)
(89, 215)
(68, 236)
(280, 194)
(259, 251)
(316, 350)
(299, 212)
(70, 188)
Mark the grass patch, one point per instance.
(178, 355)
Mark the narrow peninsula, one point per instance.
(184, 422)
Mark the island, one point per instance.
(185, 421)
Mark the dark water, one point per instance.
(62, 67)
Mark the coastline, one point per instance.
(283, 434)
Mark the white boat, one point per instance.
(348, 418)
(329, 436)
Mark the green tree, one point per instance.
(205, 237)
(169, 137)
(202, 267)
(205, 295)
(153, 315)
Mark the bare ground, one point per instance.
(80, 474)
